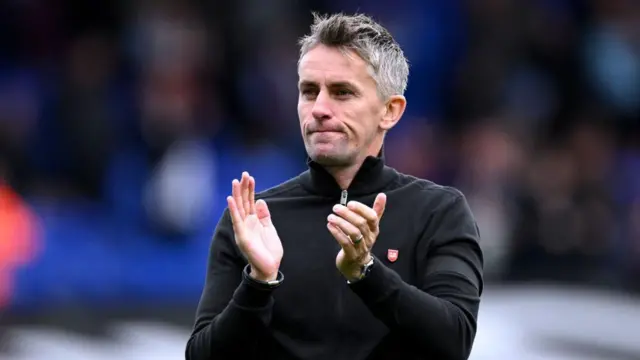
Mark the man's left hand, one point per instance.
(356, 228)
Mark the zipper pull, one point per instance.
(343, 198)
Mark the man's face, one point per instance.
(339, 108)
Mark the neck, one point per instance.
(344, 175)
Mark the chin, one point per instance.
(330, 158)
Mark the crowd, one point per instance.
(123, 123)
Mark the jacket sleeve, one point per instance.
(438, 315)
(232, 314)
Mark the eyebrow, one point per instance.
(307, 83)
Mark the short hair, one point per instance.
(367, 38)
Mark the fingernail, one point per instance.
(336, 207)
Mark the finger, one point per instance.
(370, 215)
(237, 197)
(252, 195)
(262, 210)
(353, 218)
(380, 204)
(236, 218)
(245, 192)
(344, 241)
(346, 227)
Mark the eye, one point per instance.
(343, 93)
(308, 93)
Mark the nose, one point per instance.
(321, 108)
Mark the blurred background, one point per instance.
(122, 124)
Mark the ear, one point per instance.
(394, 108)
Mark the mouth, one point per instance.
(325, 132)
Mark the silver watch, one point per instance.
(364, 271)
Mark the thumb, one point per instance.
(262, 210)
(379, 204)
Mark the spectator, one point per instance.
(18, 238)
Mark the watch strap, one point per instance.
(263, 285)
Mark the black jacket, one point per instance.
(422, 306)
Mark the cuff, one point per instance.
(254, 294)
(380, 282)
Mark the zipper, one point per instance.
(343, 198)
(341, 333)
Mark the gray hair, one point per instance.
(367, 38)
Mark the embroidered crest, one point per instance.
(392, 255)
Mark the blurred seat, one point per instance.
(97, 254)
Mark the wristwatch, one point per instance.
(262, 284)
(364, 271)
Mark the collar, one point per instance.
(372, 177)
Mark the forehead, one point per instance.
(327, 64)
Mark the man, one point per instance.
(407, 284)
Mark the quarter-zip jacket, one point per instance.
(419, 301)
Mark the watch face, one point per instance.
(366, 268)
(369, 264)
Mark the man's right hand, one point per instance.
(255, 234)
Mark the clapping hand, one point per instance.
(254, 232)
(356, 228)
